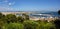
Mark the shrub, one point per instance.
(20, 19)
(14, 26)
(10, 17)
(47, 25)
(31, 25)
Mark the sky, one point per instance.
(29, 5)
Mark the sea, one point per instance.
(45, 14)
(39, 13)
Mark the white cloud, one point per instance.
(6, 8)
(6, 2)
(11, 3)
(5, 5)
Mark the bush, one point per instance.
(47, 25)
(1, 24)
(57, 24)
(31, 25)
(14, 26)
(10, 17)
(20, 19)
(10, 21)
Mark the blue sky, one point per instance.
(29, 5)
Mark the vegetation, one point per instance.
(59, 12)
(57, 21)
(14, 26)
(10, 21)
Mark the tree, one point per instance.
(1, 16)
(59, 12)
(57, 21)
(25, 16)
(1, 20)
(20, 19)
(10, 18)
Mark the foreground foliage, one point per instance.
(14, 26)
(11, 21)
